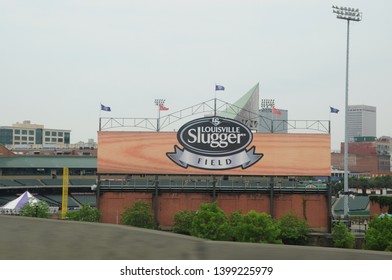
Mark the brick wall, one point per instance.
(312, 207)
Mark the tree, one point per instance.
(86, 214)
(379, 234)
(210, 222)
(336, 187)
(341, 236)
(183, 221)
(38, 209)
(139, 215)
(234, 221)
(293, 230)
(382, 181)
(257, 227)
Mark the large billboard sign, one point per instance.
(213, 146)
(214, 143)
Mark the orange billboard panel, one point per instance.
(122, 152)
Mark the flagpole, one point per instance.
(100, 109)
(215, 102)
(213, 176)
(329, 123)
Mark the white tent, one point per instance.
(14, 206)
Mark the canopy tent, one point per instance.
(15, 205)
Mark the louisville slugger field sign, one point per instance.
(214, 143)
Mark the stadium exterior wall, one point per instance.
(377, 209)
(311, 207)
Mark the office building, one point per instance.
(361, 121)
(366, 155)
(27, 133)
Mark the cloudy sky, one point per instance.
(60, 59)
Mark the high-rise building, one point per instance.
(27, 133)
(361, 121)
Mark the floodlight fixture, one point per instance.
(160, 102)
(267, 103)
(347, 13)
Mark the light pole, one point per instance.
(160, 103)
(349, 14)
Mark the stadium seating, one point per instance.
(82, 199)
(29, 182)
(9, 182)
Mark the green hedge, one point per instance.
(210, 222)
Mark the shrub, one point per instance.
(379, 234)
(293, 231)
(39, 209)
(138, 215)
(235, 219)
(341, 236)
(257, 227)
(183, 221)
(210, 222)
(86, 214)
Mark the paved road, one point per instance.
(24, 238)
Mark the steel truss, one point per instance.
(208, 108)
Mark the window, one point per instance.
(24, 138)
(60, 134)
(60, 140)
(31, 132)
(66, 137)
(17, 138)
(24, 132)
(38, 136)
(47, 133)
(54, 133)
(31, 138)
(6, 136)
(17, 131)
(47, 139)
(54, 140)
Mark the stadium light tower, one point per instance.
(160, 103)
(349, 14)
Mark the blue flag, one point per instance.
(218, 87)
(333, 110)
(105, 108)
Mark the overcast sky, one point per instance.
(60, 59)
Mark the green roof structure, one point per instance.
(249, 108)
(48, 162)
